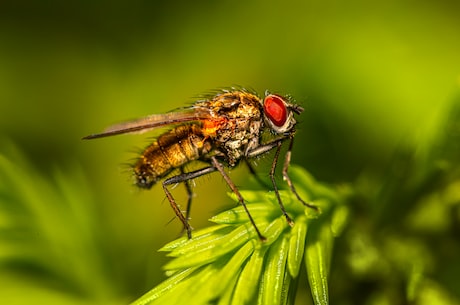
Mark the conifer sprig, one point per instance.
(228, 264)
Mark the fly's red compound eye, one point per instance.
(275, 109)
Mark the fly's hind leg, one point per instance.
(184, 177)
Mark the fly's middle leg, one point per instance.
(188, 189)
(184, 177)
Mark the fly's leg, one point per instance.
(287, 161)
(231, 184)
(275, 187)
(188, 189)
(184, 177)
(178, 212)
(266, 148)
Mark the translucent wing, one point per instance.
(154, 121)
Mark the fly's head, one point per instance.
(279, 113)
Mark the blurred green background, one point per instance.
(373, 76)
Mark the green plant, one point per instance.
(50, 242)
(228, 264)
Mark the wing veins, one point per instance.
(153, 121)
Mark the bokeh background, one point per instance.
(372, 76)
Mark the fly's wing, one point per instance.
(154, 121)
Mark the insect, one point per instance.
(220, 130)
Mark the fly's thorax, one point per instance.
(241, 128)
(171, 150)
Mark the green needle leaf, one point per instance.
(317, 260)
(197, 236)
(339, 219)
(273, 277)
(164, 287)
(232, 268)
(239, 215)
(212, 250)
(297, 245)
(249, 278)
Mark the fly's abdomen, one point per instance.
(171, 150)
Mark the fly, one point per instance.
(220, 131)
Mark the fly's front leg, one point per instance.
(276, 143)
(275, 187)
(184, 177)
(264, 148)
(216, 165)
(287, 161)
